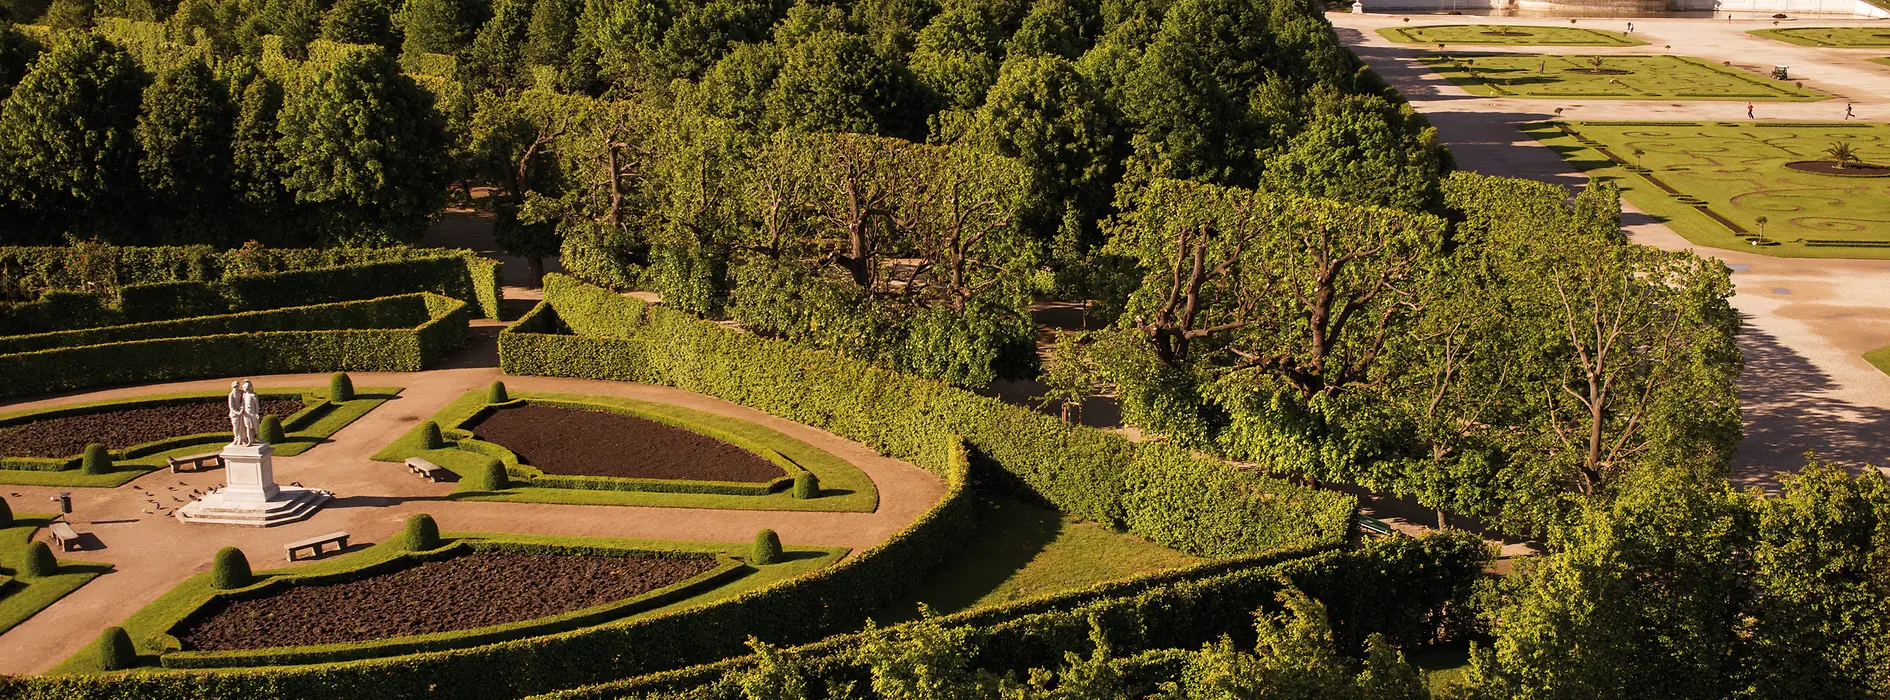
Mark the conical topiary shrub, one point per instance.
(230, 569)
(422, 533)
(340, 387)
(490, 476)
(767, 549)
(496, 393)
(806, 485)
(98, 460)
(430, 436)
(269, 430)
(115, 652)
(38, 561)
(6, 514)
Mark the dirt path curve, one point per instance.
(152, 552)
(1807, 320)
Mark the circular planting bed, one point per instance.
(119, 428)
(475, 590)
(573, 442)
(1825, 167)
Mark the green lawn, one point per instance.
(1736, 169)
(1885, 61)
(1879, 358)
(1444, 665)
(24, 598)
(1025, 551)
(169, 609)
(1507, 35)
(1624, 78)
(1835, 37)
(123, 471)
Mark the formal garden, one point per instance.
(1834, 37)
(1811, 190)
(1611, 77)
(756, 434)
(1506, 35)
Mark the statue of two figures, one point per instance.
(245, 413)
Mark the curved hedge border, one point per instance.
(312, 408)
(462, 436)
(175, 656)
(799, 610)
(437, 325)
(1167, 495)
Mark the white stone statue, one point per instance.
(245, 413)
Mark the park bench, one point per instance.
(431, 471)
(195, 462)
(1373, 525)
(67, 537)
(315, 544)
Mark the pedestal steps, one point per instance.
(289, 505)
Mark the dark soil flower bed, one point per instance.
(574, 442)
(1825, 167)
(475, 590)
(67, 436)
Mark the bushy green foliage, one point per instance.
(37, 561)
(340, 387)
(68, 135)
(421, 533)
(230, 569)
(430, 438)
(767, 548)
(97, 459)
(115, 652)
(269, 429)
(496, 393)
(6, 514)
(806, 485)
(490, 476)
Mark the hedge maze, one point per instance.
(1617, 77)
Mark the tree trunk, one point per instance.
(1441, 522)
(535, 267)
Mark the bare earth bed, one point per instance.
(466, 592)
(574, 442)
(66, 436)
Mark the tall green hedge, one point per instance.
(1163, 494)
(401, 311)
(222, 346)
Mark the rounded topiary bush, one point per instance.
(430, 436)
(6, 514)
(496, 393)
(340, 387)
(230, 569)
(38, 561)
(98, 460)
(767, 549)
(490, 476)
(269, 430)
(115, 652)
(806, 485)
(422, 533)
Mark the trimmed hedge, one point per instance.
(37, 561)
(438, 327)
(391, 312)
(798, 610)
(421, 533)
(229, 570)
(767, 548)
(1166, 495)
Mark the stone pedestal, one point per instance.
(250, 495)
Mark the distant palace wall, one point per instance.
(1605, 8)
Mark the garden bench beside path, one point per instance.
(194, 463)
(315, 544)
(64, 535)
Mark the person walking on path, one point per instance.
(1749, 111)
(1630, 27)
(1847, 111)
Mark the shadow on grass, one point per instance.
(1008, 538)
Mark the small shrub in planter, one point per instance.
(767, 549)
(6, 514)
(269, 430)
(490, 476)
(806, 485)
(230, 569)
(38, 562)
(496, 393)
(422, 533)
(340, 387)
(430, 436)
(115, 652)
(98, 460)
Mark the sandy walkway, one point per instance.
(153, 552)
(1805, 386)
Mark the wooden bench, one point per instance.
(431, 471)
(67, 537)
(195, 462)
(315, 544)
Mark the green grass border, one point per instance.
(24, 598)
(149, 626)
(1879, 358)
(1783, 34)
(1698, 228)
(305, 429)
(1885, 61)
(844, 488)
(1780, 91)
(1402, 35)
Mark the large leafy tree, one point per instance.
(956, 57)
(495, 60)
(68, 139)
(438, 26)
(1188, 93)
(834, 81)
(1046, 115)
(360, 22)
(186, 131)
